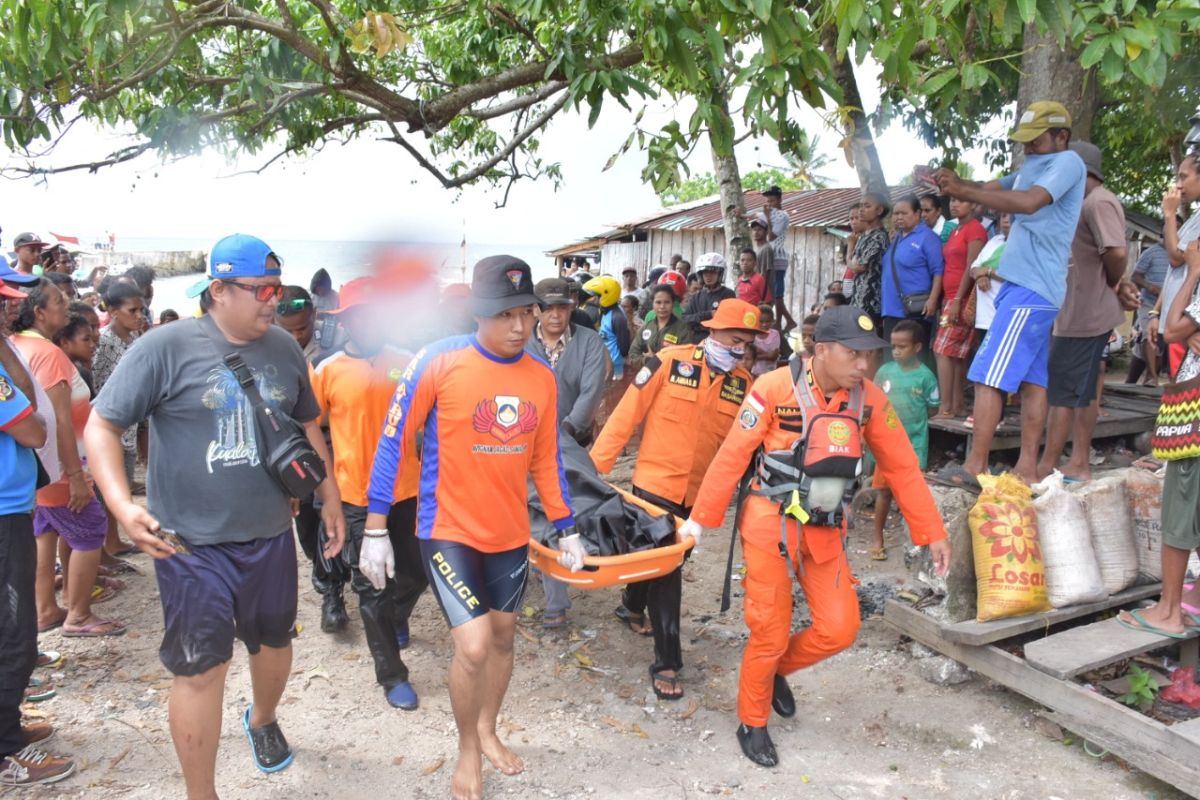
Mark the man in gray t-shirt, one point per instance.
(227, 564)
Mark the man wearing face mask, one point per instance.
(805, 425)
(687, 396)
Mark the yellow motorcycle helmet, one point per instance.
(606, 289)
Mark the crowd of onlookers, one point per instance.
(991, 295)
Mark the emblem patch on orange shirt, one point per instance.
(505, 418)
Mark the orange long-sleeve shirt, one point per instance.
(771, 418)
(687, 408)
(489, 424)
(354, 394)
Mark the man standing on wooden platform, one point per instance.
(1045, 197)
(1087, 318)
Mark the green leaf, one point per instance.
(934, 84)
(1027, 9)
(1112, 66)
(762, 9)
(1092, 54)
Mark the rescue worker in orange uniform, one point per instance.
(354, 387)
(688, 397)
(805, 424)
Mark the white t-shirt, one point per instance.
(985, 302)
(1177, 274)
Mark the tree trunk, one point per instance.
(729, 182)
(861, 151)
(1048, 72)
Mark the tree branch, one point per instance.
(481, 169)
(517, 103)
(119, 157)
(440, 111)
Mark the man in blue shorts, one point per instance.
(487, 410)
(217, 522)
(1045, 197)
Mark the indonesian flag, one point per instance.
(65, 239)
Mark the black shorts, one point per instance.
(218, 592)
(469, 583)
(1074, 368)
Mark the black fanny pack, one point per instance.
(283, 448)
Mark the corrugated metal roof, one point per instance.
(812, 208)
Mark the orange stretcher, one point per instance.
(601, 571)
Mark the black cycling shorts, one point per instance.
(469, 583)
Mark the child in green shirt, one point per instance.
(912, 389)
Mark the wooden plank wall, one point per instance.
(814, 259)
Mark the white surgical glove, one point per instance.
(571, 552)
(693, 529)
(376, 560)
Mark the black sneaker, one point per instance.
(782, 699)
(333, 613)
(267, 745)
(757, 745)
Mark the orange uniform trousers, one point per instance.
(773, 648)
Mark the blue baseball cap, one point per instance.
(238, 256)
(10, 275)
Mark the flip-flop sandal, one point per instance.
(56, 624)
(49, 659)
(956, 477)
(673, 681)
(552, 622)
(116, 584)
(122, 568)
(39, 690)
(102, 594)
(93, 630)
(632, 621)
(1146, 627)
(878, 553)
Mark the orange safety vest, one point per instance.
(688, 409)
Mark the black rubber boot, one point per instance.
(757, 745)
(782, 699)
(333, 612)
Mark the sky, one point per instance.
(371, 190)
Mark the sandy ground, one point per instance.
(580, 712)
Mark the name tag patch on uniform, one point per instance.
(684, 374)
(669, 338)
(733, 389)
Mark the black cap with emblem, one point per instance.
(849, 326)
(500, 283)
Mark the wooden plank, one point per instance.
(1189, 729)
(1144, 742)
(976, 633)
(1070, 652)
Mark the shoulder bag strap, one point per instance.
(892, 247)
(231, 359)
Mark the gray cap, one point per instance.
(554, 291)
(1091, 158)
(849, 326)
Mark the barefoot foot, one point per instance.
(502, 758)
(467, 783)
